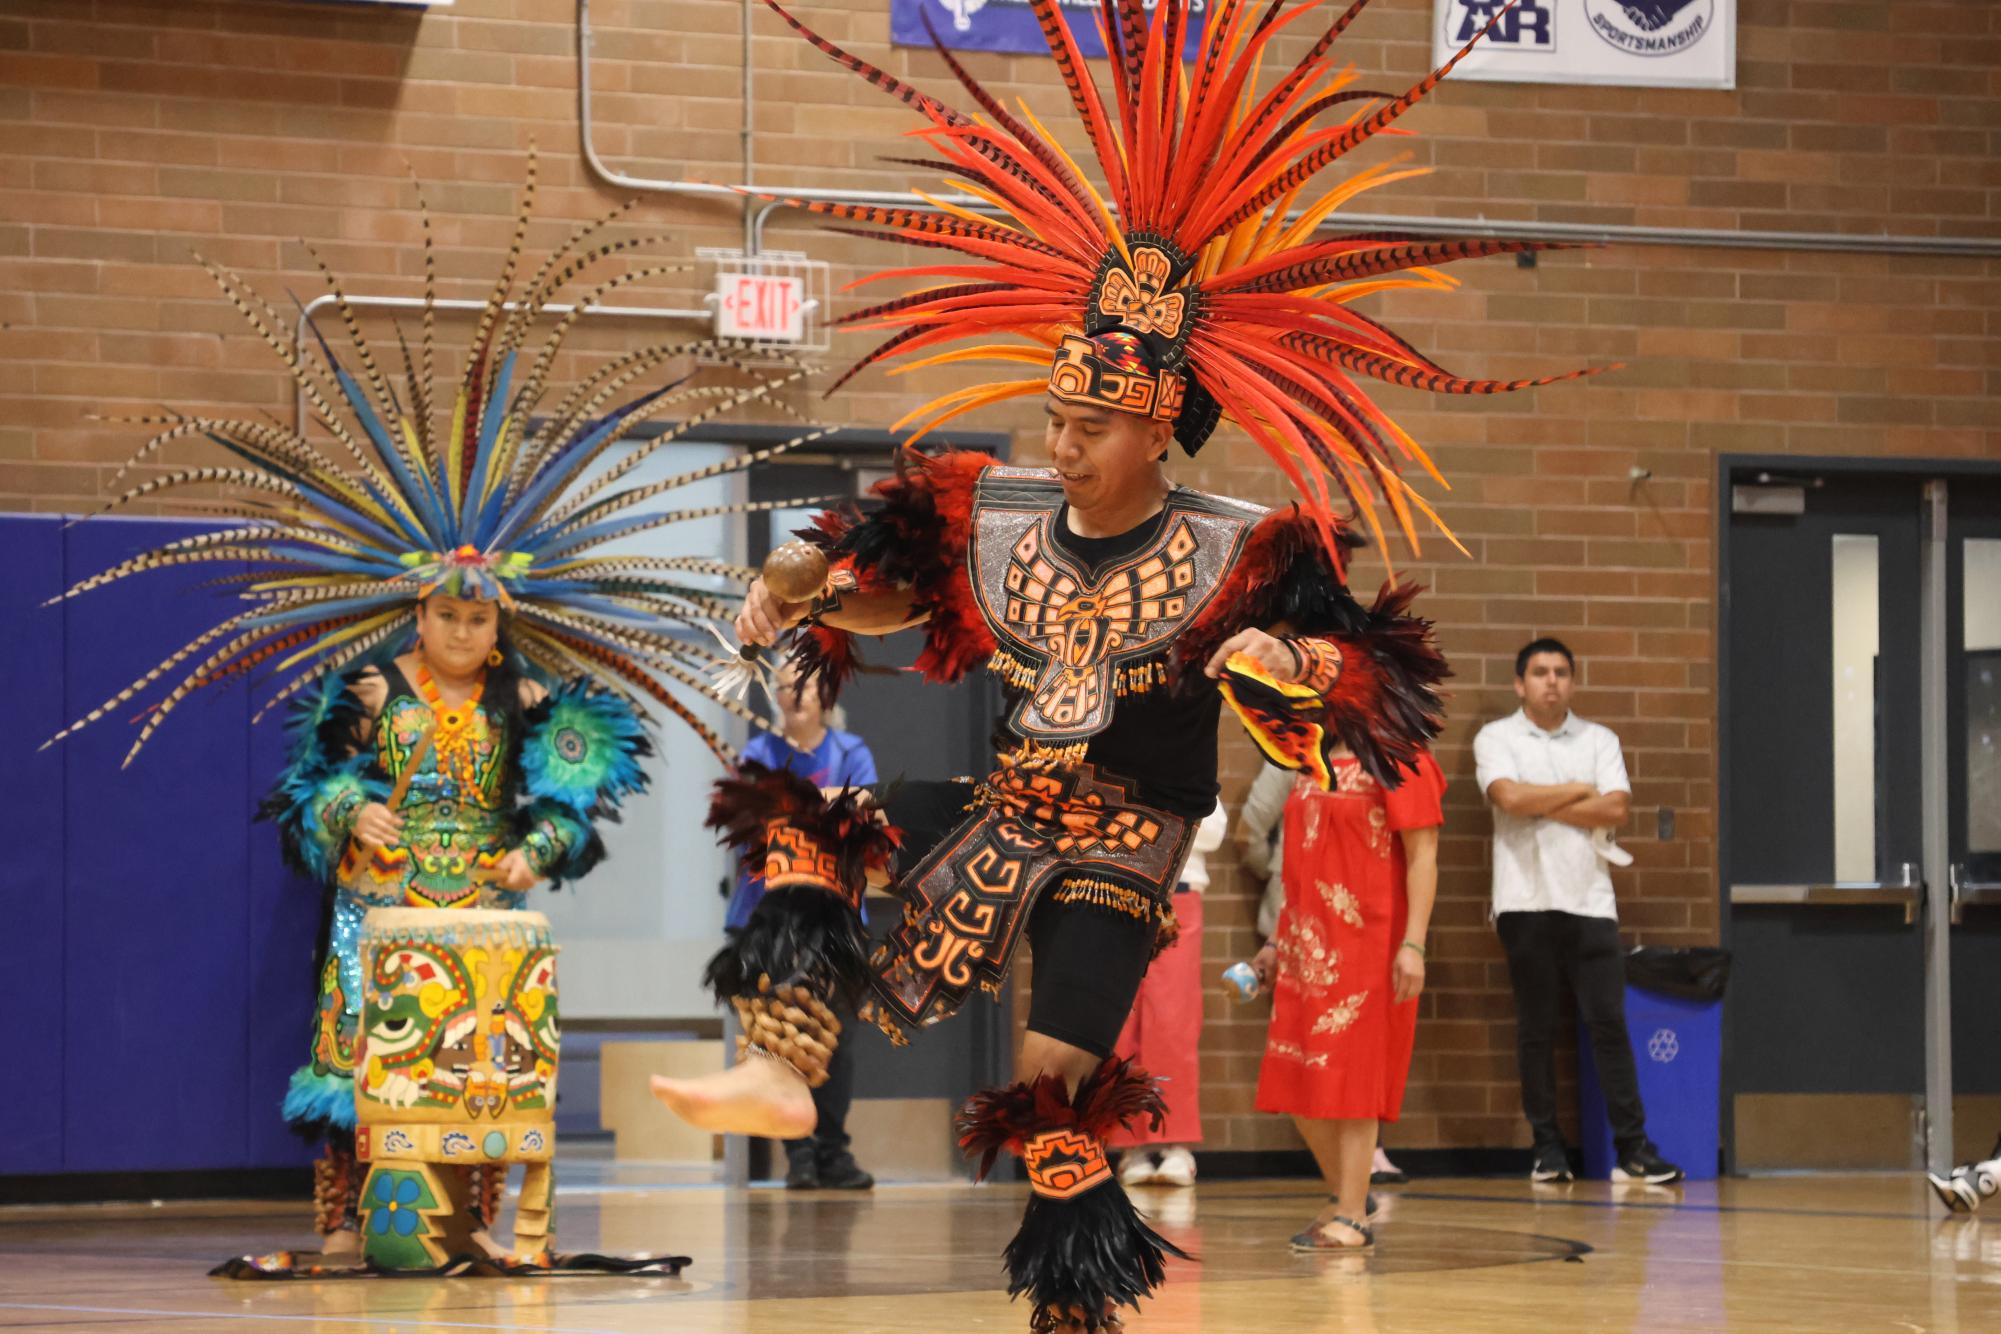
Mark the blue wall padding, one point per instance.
(31, 830)
(179, 988)
(284, 923)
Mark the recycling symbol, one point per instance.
(1663, 1046)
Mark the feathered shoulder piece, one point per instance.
(582, 749)
(481, 484)
(912, 535)
(916, 526)
(1188, 278)
(1284, 576)
(329, 775)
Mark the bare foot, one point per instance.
(342, 1247)
(758, 1096)
(488, 1247)
(1071, 1320)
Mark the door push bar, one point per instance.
(1962, 893)
(1907, 893)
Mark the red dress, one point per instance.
(1338, 1048)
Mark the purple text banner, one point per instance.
(1009, 25)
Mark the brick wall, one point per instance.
(132, 132)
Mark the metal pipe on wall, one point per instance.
(1617, 234)
(703, 189)
(748, 103)
(325, 299)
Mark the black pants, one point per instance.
(831, 1101)
(1548, 951)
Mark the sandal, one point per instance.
(1315, 1239)
(1371, 1208)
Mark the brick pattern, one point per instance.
(132, 132)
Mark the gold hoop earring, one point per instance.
(495, 658)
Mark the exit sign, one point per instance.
(765, 306)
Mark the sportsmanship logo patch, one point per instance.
(1651, 27)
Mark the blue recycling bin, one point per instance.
(1678, 1050)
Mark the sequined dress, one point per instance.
(1338, 1047)
(455, 831)
(463, 812)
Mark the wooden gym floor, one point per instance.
(1819, 1253)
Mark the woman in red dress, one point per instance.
(1345, 969)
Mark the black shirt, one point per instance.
(1161, 743)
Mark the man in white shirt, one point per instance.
(1559, 789)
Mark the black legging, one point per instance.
(1088, 966)
(1088, 960)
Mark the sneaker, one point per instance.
(1552, 1163)
(1955, 1192)
(1177, 1167)
(840, 1171)
(1383, 1172)
(802, 1171)
(1139, 1167)
(1643, 1164)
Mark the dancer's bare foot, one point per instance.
(758, 1096)
(488, 1247)
(341, 1247)
(1071, 1320)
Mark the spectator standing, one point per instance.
(810, 745)
(1261, 835)
(1558, 787)
(1163, 1034)
(1346, 969)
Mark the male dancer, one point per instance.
(1118, 610)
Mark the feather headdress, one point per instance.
(1196, 285)
(475, 488)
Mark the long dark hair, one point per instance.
(501, 698)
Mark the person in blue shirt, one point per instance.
(810, 746)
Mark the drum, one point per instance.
(455, 1068)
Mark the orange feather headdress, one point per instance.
(1197, 285)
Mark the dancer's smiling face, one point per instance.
(1105, 459)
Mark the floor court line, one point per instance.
(400, 1321)
(1666, 1206)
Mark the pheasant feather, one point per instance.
(1205, 244)
(443, 488)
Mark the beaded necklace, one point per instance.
(452, 730)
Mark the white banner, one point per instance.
(1642, 43)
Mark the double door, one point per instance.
(1860, 728)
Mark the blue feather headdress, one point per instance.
(474, 490)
